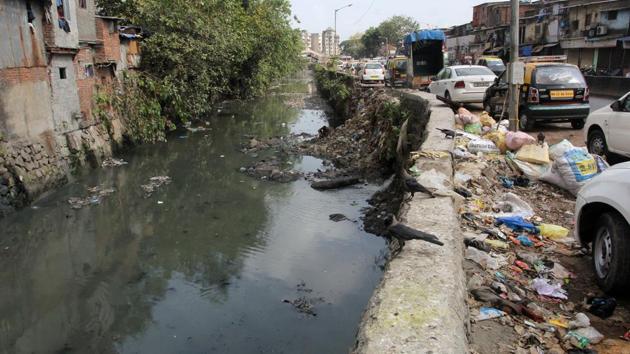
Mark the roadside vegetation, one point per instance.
(197, 52)
(369, 43)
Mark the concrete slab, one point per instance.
(420, 307)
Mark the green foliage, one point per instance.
(335, 88)
(203, 51)
(370, 43)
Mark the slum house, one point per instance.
(596, 34)
(54, 56)
(539, 29)
(459, 42)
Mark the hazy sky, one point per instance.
(316, 15)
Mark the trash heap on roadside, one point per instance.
(516, 217)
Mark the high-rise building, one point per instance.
(330, 42)
(316, 42)
(306, 39)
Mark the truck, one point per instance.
(425, 49)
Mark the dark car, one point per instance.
(552, 92)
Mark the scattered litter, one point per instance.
(534, 153)
(487, 313)
(543, 287)
(515, 140)
(304, 305)
(485, 259)
(337, 217)
(482, 145)
(154, 183)
(525, 241)
(553, 232)
(512, 205)
(516, 223)
(112, 162)
(590, 333)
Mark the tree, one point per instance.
(353, 46)
(372, 40)
(396, 27)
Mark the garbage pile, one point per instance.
(516, 215)
(154, 183)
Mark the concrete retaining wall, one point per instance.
(608, 86)
(420, 307)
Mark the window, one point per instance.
(83, 4)
(587, 20)
(538, 30)
(62, 73)
(575, 24)
(612, 15)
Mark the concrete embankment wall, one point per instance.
(419, 306)
(608, 86)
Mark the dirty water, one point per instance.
(210, 262)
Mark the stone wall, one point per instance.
(27, 170)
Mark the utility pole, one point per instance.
(335, 35)
(514, 68)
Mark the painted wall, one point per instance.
(25, 47)
(61, 38)
(86, 23)
(65, 98)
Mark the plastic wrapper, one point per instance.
(482, 145)
(534, 153)
(515, 140)
(554, 232)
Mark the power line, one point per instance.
(365, 13)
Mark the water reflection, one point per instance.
(206, 269)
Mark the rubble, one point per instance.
(113, 162)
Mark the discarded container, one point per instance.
(602, 307)
(534, 153)
(486, 313)
(554, 232)
(531, 170)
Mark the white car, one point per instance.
(603, 220)
(607, 130)
(373, 73)
(463, 83)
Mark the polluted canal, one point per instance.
(207, 260)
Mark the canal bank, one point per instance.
(419, 305)
(214, 261)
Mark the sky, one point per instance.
(317, 15)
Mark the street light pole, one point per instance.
(514, 93)
(335, 35)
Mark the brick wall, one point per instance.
(15, 76)
(110, 51)
(86, 79)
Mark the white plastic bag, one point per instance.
(571, 170)
(512, 205)
(482, 145)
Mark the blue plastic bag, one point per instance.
(517, 223)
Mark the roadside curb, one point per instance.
(419, 306)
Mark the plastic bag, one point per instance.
(484, 259)
(557, 150)
(543, 287)
(531, 170)
(554, 232)
(473, 128)
(487, 313)
(486, 120)
(466, 117)
(515, 140)
(498, 138)
(512, 205)
(571, 170)
(517, 223)
(482, 145)
(591, 334)
(534, 153)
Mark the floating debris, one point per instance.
(304, 305)
(97, 194)
(155, 183)
(113, 162)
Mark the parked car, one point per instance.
(462, 83)
(603, 220)
(607, 130)
(373, 73)
(493, 63)
(553, 92)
